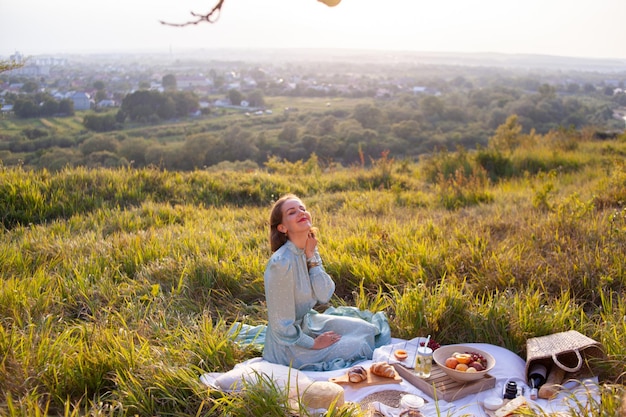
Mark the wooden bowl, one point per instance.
(444, 352)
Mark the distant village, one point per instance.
(102, 82)
(63, 79)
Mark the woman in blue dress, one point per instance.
(295, 281)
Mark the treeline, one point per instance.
(42, 105)
(407, 126)
(150, 106)
(144, 106)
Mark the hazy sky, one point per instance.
(578, 28)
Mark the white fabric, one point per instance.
(508, 366)
(250, 371)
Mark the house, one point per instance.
(107, 103)
(156, 86)
(82, 101)
(221, 102)
(191, 82)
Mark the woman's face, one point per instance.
(296, 218)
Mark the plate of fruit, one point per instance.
(464, 363)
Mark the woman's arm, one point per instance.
(322, 284)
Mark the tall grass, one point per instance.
(120, 287)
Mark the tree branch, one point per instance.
(215, 13)
(211, 17)
(10, 65)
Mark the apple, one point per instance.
(330, 3)
(477, 365)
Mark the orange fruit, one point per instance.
(451, 363)
(401, 354)
(463, 357)
(461, 367)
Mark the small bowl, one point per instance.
(444, 352)
(411, 402)
(493, 403)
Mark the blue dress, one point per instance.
(291, 291)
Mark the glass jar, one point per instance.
(423, 361)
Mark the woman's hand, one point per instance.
(325, 339)
(310, 245)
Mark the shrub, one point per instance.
(98, 144)
(463, 191)
(101, 123)
(443, 165)
(496, 165)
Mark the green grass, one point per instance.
(120, 287)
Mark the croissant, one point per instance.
(383, 369)
(357, 374)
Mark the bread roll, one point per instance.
(321, 394)
(357, 374)
(383, 369)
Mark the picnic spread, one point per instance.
(497, 385)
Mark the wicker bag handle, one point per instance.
(565, 367)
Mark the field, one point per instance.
(120, 286)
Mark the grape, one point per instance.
(477, 357)
(431, 344)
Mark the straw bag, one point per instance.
(571, 351)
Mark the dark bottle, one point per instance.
(537, 375)
(536, 378)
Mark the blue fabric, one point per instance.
(379, 319)
(246, 334)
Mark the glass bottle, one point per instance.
(423, 361)
(536, 378)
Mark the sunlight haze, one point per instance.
(548, 27)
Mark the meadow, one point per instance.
(120, 286)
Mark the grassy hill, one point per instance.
(119, 287)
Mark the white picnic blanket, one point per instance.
(509, 366)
